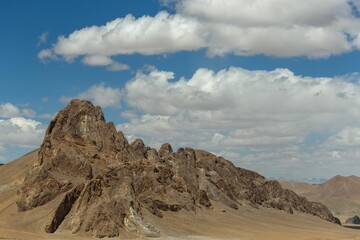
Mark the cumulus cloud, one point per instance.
(101, 95)
(22, 132)
(270, 27)
(266, 12)
(147, 35)
(99, 60)
(276, 27)
(8, 110)
(47, 54)
(252, 117)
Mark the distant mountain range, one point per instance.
(311, 180)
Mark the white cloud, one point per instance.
(8, 110)
(100, 95)
(276, 27)
(147, 35)
(115, 66)
(99, 60)
(266, 12)
(238, 94)
(312, 28)
(21, 132)
(46, 54)
(259, 117)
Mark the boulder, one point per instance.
(353, 220)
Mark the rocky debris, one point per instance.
(105, 183)
(353, 220)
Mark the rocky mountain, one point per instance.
(103, 185)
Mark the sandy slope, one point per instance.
(342, 187)
(221, 223)
(340, 194)
(298, 187)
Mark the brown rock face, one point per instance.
(105, 183)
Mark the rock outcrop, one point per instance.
(353, 220)
(104, 184)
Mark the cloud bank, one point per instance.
(242, 108)
(256, 118)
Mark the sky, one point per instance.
(272, 85)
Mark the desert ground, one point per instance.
(221, 223)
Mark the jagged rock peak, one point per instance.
(103, 184)
(81, 119)
(165, 150)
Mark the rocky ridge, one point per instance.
(105, 183)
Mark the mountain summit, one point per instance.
(101, 184)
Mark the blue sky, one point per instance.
(272, 85)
